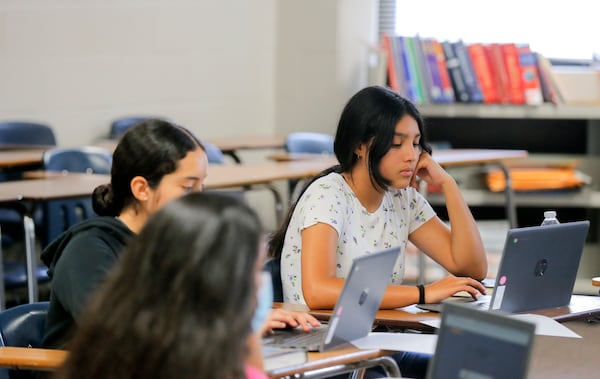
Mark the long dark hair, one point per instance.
(151, 149)
(370, 117)
(180, 302)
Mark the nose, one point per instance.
(411, 152)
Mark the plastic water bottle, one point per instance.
(550, 218)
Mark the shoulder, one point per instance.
(254, 373)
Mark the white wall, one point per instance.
(78, 64)
(321, 55)
(218, 67)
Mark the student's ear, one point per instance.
(361, 151)
(140, 188)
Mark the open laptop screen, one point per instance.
(480, 345)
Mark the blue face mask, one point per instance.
(264, 301)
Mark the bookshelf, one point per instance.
(548, 132)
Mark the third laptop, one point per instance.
(355, 310)
(537, 271)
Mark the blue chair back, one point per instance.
(59, 215)
(309, 142)
(22, 326)
(121, 125)
(26, 133)
(87, 159)
(214, 154)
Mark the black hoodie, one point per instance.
(78, 261)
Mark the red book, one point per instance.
(513, 69)
(392, 74)
(529, 76)
(483, 73)
(495, 58)
(447, 90)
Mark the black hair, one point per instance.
(369, 117)
(151, 149)
(180, 302)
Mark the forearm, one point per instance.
(466, 245)
(398, 296)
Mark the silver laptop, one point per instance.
(537, 271)
(355, 310)
(474, 344)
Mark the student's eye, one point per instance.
(188, 189)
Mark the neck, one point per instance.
(134, 219)
(360, 182)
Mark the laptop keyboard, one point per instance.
(297, 338)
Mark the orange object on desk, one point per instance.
(26, 358)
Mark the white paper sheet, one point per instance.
(415, 342)
(544, 326)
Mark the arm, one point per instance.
(458, 249)
(283, 318)
(82, 268)
(320, 285)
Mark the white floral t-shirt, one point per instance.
(331, 201)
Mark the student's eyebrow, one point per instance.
(406, 135)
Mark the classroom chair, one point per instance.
(59, 215)
(121, 125)
(22, 326)
(84, 159)
(309, 142)
(26, 133)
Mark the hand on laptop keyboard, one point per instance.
(283, 319)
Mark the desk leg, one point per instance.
(511, 208)
(29, 228)
(388, 363)
(278, 203)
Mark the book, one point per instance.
(277, 357)
(513, 70)
(456, 77)
(548, 78)
(495, 58)
(447, 90)
(483, 73)
(432, 69)
(466, 68)
(530, 79)
(392, 78)
(411, 76)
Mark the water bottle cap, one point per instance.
(550, 214)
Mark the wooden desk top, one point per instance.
(18, 158)
(582, 307)
(335, 357)
(224, 176)
(31, 358)
(451, 157)
(596, 281)
(53, 187)
(228, 144)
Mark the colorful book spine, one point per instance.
(483, 73)
(447, 90)
(466, 68)
(392, 75)
(513, 69)
(498, 67)
(456, 77)
(433, 70)
(410, 72)
(530, 79)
